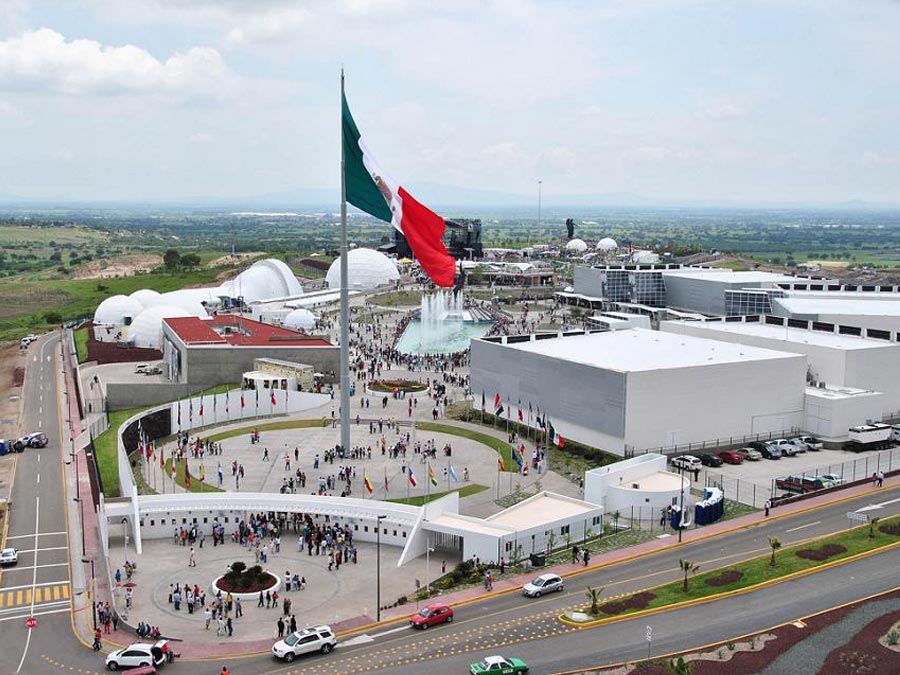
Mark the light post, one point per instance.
(93, 591)
(681, 507)
(428, 552)
(378, 567)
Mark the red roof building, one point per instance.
(237, 331)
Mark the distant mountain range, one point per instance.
(448, 198)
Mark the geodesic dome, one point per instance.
(145, 296)
(264, 280)
(607, 244)
(366, 268)
(300, 319)
(146, 329)
(576, 246)
(190, 299)
(117, 310)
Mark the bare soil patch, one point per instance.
(893, 528)
(12, 376)
(235, 259)
(864, 653)
(121, 266)
(725, 578)
(822, 553)
(636, 601)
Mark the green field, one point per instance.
(106, 451)
(42, 236)
(501, 446)
(465, 491)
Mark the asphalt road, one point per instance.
(508, 624)
(39, 585)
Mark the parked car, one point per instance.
(138, 654)
(749, 454)
(767, 450)
(687, 462)
(787, 448)
(812, 443)
(38, 439)
(9, 556)
(312, 639)
(731, 457)
(546, 583)
(832, 478)
(801, 483)
(710, 460)
(27, 340)
(498, 665)
(431, 615)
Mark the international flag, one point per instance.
(242, 400)
(187, 476)
(149, 447)
(257, 398)
(162, 460)
(174, 472)
(412, 477)
(385, 480)
(432, 477)
(517, 458)
(483, 403)
(191, 411)
(226, 402)
(521, 416)
(371, 190)
(201, 406)
(202, 473)
(559, 441)
(368, 483)
(179, 414)
(501, 465)
(498, 405)
(273, 397)
(453, 474)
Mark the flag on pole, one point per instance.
(187, 476)
(191, 411)
(242, 400)
(174, 472)
(179, 414)
(385, 480)
(371, 190)
(483, 404)
(498, 405)
(162, 460)
(202, 473)
(501, 465)
(149, 450)
(559, 441)
(432, 477)
(226, 402)
(517, 458)
(412, 478)
(201, 405)
(521, 416)
(273, 396)
(453, 474)
(368, 483)
(508, 408)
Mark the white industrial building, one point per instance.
(840, 361)
(640, 389)
(641, 485)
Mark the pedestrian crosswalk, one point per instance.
(42, 594)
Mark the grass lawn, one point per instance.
(759, 570)
(196, 485)
(419, 501)
(268, 426)
(81, 340)
(106, 448)
(398, 298)
(497, 444)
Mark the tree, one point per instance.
(616, 515)
(872, 524)
(774, 544)
(190, 260)
(680, 667)
(172, 259)
(594, 594)
(687, 567)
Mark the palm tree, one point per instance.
(680, 666)
(616, 517)
(593, 594)
(872, 524)
(774, 544)
(687, 567)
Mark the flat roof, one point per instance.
(848, 306)
(840, 393)
(541, 508)
(747, 277)
(237, 331)
(462, 523)
(792, 335)
(640, 349)
(656, 482)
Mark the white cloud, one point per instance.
(63, 155)
(724, 110)
(274, 26)
(506, 154)
(871, 159)
(647, 153)
(43, 60)
(201, 138)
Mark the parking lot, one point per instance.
(753, 483)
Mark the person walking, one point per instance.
(238, 608)
(115, 619)
(280, 625)
(207, 616)
(229, 627)
(225, 671)
(767, 506)
(97, 638)
(192, 559)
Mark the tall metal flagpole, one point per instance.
(345, 300)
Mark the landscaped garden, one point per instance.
(242, 579)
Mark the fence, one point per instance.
(723, 443)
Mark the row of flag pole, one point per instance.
(540, 423)
(243, 403)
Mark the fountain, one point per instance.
(443, 327)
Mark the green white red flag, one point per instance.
(371, 190)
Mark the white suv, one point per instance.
(687, 462)
(313, 639)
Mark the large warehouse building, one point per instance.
(639, 389)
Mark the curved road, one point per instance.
(505, 624)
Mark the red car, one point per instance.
(730, 457)
(431, 615)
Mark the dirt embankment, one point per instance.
(122, 266)
(12, 374)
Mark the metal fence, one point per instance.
(724, 443)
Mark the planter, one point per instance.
(253, 595)
(382, 387)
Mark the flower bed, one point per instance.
(264, 583)
(246, 580)
(636, 602)
(389, 386)
(891, 528)
(725, 578)
(821, 553)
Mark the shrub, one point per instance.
(821, 553)
(893, 638)
(725, 578)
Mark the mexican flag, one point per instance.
(371, 190)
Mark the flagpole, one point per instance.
(345, 301)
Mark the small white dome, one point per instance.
(576, 246)
(366, 269)
(300, 319)
(145, 296)
(607, 244)
(145, 331)
(117, 310)
(264, 280)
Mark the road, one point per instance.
(506, 624)
(39, 585)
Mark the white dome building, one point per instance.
(145, 296)
(576, 246)
(264, 280)
(366, 269)
(189, 299)
(300, 319)
(607, 244)
(146, 330)
(117, 310)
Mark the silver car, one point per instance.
(546, 583)
(9, 556)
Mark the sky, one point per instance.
(780, 101)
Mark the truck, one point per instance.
(876, 436)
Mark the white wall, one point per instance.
(830, 418)
(878, 370)
(597, 481)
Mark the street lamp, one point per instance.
(378, 567)
(681, 507)
(428, 552)
(93, 591)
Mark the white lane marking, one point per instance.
(18, 568)
(42, 534)
(39, 456)
(880, 505)
(41, 410)
(37, 531)
(39, 479)
(45, 583)
(22, 616)
(800, 527)
(358, 640)
(388, 632)
(43, 605)
(40, 423)
(46, 548)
